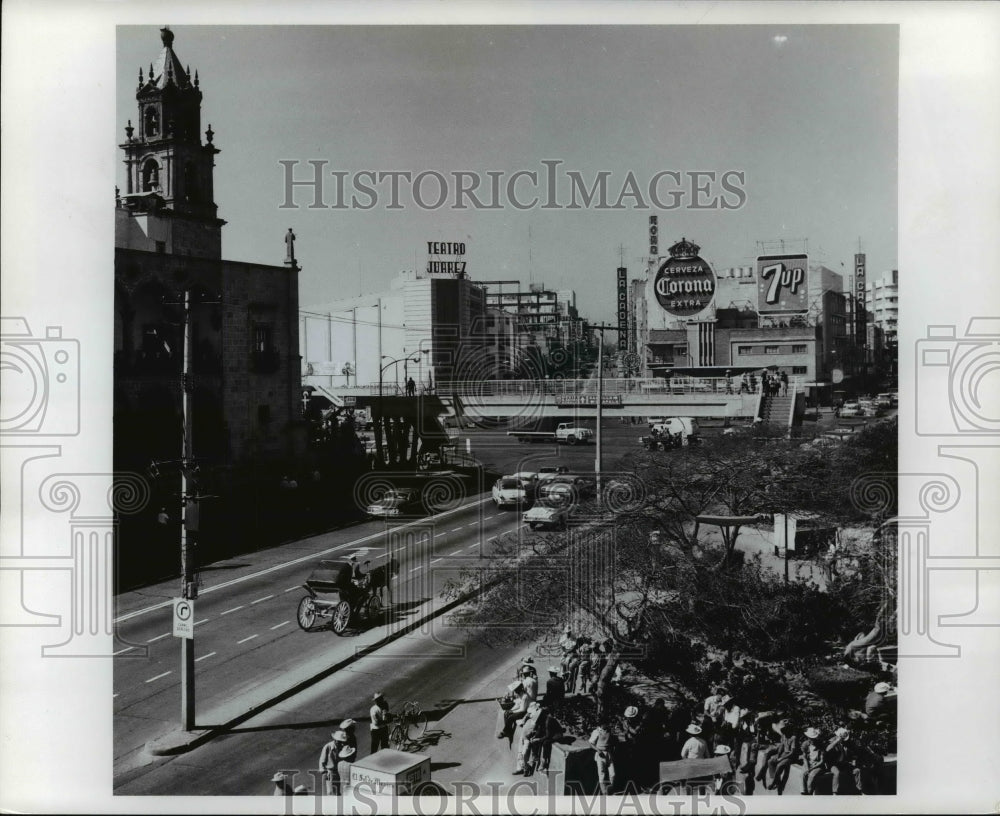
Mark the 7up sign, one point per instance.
(781, 283)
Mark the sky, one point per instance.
(808, 115)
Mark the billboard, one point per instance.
(685, 284)
(782, 283)
(622, 308)
(654, 236)
(860, 313)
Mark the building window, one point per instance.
(161, 247)
(264, 354)
(799, 348)
(798, 369)
(744, 349)
(680, 351)
(771, 349)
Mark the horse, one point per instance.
(378, 577)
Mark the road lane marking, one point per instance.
(204, 656)
(496, 536)
(473, 544)
(415, 569)
(122, 651)
(457, 551)
(474, 524)
(113, 696)
(201, 621)
(232, 610)
(151, 679)
(238, 642)
(435, 560)
(292, 589)
(283, 623)
(265, 598)
(304, 558)
(158, 637)
(456, 530)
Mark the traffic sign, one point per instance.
(184, 618)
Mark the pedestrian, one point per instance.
(163, 517)
(527, 730)
(348, 726)
(584, 670)
(344, 762)
(547, 730)
(604, 744)
(411, 387)
(813, 760)
(695, 747)
(729, 381)
(282, 787)
(529, 680)
(572, 671)
(747, 754)
(555, 687)
(629, 764)
(526, 668)
(845, 756)
(714, 708)
(379, 714)
(513, 708)
(784, 384)
(721, 779)
(328, 758)
(875, 705)
(781, 762)
(602, 689)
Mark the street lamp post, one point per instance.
(379, 428)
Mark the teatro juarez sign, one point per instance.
(436, 249)
(685, 284)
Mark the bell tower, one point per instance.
(169, 195)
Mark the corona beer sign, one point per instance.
(685, 284)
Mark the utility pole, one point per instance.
(598, 459)
(188, 589)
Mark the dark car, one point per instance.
(396, 502)
(567, 489)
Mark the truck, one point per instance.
(565, 433)
(672, 432)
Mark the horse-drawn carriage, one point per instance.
(335, 594)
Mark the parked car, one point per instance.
(396, 502)
(849, 409)
(887, 400)
(549, 472)
(512, 492)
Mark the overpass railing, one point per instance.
(657, 386)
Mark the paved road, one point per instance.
(246, 631)
(440, 669)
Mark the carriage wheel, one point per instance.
(373, 609)
(306, 614)
(341, 617)
(416, 726)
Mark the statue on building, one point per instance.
(290, 247)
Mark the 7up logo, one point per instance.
(784, 280)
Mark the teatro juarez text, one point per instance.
(314, 185)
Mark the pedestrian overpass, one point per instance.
(519, 403)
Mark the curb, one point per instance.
(179, 742)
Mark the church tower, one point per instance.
(168, 205)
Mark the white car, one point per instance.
(542, 515)
(849, 409)
(511, 492)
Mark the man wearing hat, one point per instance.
(328, 758)
(379, 714)
(513, 708)
(787, 751)
(555, 687)
(721, 779)
(813, 760)
(695, 747)
(604, 743)
(281, 785)
(529, 679)
(348, 726)
(843, 756)
(875, 705)
(344, 760)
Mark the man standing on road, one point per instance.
(555, 688)
(604, 743)
(379, 714)
(328, 759)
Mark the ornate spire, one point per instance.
(141, 82)
(209, 134)
(196, 77)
